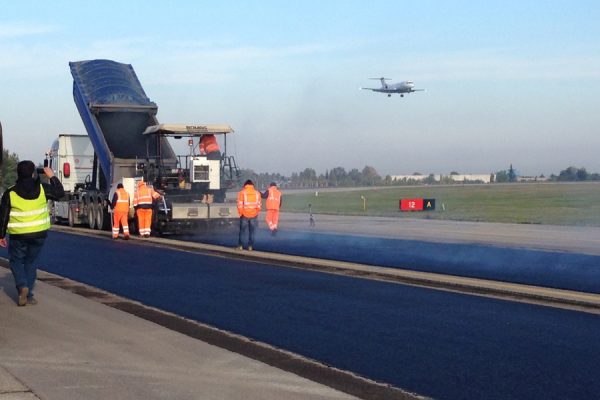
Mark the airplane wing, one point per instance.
(367, 88)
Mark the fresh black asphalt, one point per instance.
(438, 344)
(560, 270)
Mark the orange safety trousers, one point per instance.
(272, 219)
(120, 217)
(144, 217)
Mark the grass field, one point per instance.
(530, 203)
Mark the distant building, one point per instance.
(531, 179)
(485, 178)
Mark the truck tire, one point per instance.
(98, 216)
(91, 215)
(133, 226)
(102, 217)
(52, 212)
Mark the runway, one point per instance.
(434, 343)
(556, 257)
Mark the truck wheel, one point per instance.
(52, 212)
(133, 226)
(99, 217)
(102, 218)
(91, 215)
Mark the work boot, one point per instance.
(126, 237)
(239, 247)
(23, 292)
(31, 301)
(250, 248)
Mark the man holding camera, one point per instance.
(24, 216)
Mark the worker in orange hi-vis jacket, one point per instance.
(273, 204)
(120, 206)
(248, 205)
(209, 147)
(142, 202)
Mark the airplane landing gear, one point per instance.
(389, 95)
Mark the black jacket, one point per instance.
(29, 189)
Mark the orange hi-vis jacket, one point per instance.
(122, 201)
(208, 144)
(144, 196)
(273, 199)
(248, 202)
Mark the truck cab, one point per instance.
(71, 157)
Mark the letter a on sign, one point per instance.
(428, 204)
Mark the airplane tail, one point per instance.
(382, 79)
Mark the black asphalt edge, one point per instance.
(313, 264)
(344, 381)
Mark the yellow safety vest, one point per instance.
(28, 216)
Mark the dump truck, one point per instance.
(130, 145)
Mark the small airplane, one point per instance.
(400, 88)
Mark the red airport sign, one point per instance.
(411, 204)
(417, 204)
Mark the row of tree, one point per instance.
(368, 176)
(8, 170)
(336, 177)
(308, 178)
(572, 174)
(509, 175)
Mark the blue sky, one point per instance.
(507, 81)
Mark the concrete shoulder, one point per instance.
(70, 347)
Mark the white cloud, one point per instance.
(20, 29)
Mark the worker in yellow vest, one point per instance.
(273, 204)
(120, 206)
(248, 205)
(142, 202)
(24, 216)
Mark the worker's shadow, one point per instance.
(7, 284)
